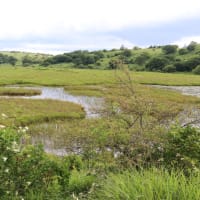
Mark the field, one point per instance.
(63, 77)
(135, 149)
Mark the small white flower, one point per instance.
(2, 126)
(4, 159)
(4, 115)
(6, 170)
(161, 160)
(26, 128)
(28, 183)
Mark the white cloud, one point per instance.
(48, 17)
(186, 40)
(87, 43)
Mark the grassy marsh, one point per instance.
(15, 112)
(65, 77)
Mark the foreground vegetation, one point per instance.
(149, 185)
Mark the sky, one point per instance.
(58, 26)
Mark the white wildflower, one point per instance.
(161, 160)
(15, 146)
(4, 159)
(4, 115)
(28, 183)
(6, 170)
(2, 126)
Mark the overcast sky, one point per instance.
(56, 26)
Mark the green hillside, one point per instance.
(168, 58)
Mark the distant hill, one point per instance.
(39, 57)
(168, 58)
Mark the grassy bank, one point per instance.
(26, 111)
(18, 92)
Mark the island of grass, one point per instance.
(21, 112)
(9, 91)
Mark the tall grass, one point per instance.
(151, 184)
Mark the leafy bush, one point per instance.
(183, 51)
(169, 68)
(168, 49)
(26, 169)
(80, 181)
(182, 148)
(157, 64)
(196, 70)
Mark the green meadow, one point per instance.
(62, 77)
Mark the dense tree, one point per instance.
(157, 64)
(126, 53)
(196, 70)
(114, 64)
(169, 49)
(191, 46)
(183, 51)
(7, 59)
(142, 58)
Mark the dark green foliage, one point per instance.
(183, 51)
(114, 64)
(142, 58)
(169, 68)
(169, 49)
(28, 60)
(157, 64)
(191, 46)
(182, 148)
(7, 59)
(26, 169)
(126, 53)
(187, 65)
(196, 70)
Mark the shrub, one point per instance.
(183, 51)
(80, 181)
(157, 64)
(169, 68)
(28, 170)
(196, 70)
(182, 148)
(168, 49)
